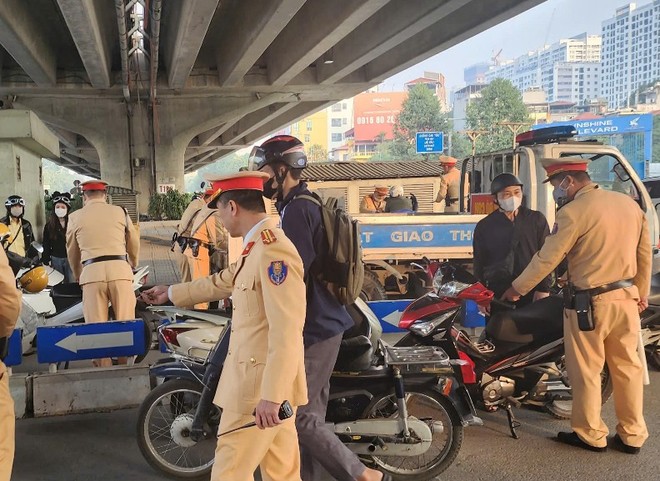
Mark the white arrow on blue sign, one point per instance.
(389, 313)
(90, 341)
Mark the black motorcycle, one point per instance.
(401, 409)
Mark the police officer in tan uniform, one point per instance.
(605, 238)
(375, 203)
(265, 362)
(102, 247)
(450, 184)
(183, 231)
(10, 305)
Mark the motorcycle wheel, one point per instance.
(653, 355)
(163, 428)
(426, 404)
(562, 409)
(372, 289)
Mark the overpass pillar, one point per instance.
(24, 141)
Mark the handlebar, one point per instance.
(505, 304)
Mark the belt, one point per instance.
(612, 286)
(105, 258)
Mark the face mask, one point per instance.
(269, 188)
(511, 204)
(60, 212)
(16, 211)
(560, 194)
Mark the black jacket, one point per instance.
(303, 225)
(28, 234)
(492, 243)
(54, 242)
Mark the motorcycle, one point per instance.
(402, 409)
(518, 360)
(651, 325)
(57, 304)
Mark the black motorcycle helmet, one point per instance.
(503, 181)
(12, 201)
(281, 149)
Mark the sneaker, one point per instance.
(572, 439)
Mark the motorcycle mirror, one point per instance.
(38, 247)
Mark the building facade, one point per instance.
(631, 52)
(313, 132)
(435, 82)
(559, 69)
(462, 98)
(340, 121)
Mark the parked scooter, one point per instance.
(56, 303)
(519, 360)
(402, 409)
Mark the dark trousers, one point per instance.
(318, 445)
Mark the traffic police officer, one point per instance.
(102, 246)
(182, 232)
(265, 362)
(605, 238)
(450, 183)
(10, 304)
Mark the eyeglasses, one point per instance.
(15, 201)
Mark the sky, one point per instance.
(544, 24)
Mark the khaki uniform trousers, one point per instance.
(7, 426)
(200, 266)
(614, 340)
(238, 454)
(96, 296)
(184, 267)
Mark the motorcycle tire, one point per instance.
(164, 420)
(653, 355)
(423, 404)
(562, 409)
(372, 289)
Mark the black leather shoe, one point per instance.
(572, 439)
(619, 445)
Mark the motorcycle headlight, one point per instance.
(451, 288)
(428, 327)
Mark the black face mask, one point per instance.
(269, 188)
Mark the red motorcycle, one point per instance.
(519, 358)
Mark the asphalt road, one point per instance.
(102, 447)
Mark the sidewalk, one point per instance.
(155, 243)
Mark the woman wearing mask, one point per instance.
(55, 236)
(507, 239)
(22, 235)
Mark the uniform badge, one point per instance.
(277, 272)
(555, 229)
(248, 248)
(267, 236)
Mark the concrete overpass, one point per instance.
(141, 91)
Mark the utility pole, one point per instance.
(474, 135)
(515, 128)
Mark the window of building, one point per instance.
(307, 138)
(336, 107)
(344, 121)
(344, 106)
(335, 122)
(309, 125)
(336, 137)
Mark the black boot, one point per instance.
(572, 439)
(619, 445)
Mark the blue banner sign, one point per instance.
(428, 235)
(389, 313)
(15, 354)
(429, 142)
(74, 342)
(619, 124)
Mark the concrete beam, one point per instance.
(88, 155)
(67, 138)
(249, 32)
(205, 138)
(185, 26)
(315, 29)
(395, 23)
(22, 38)
(300, 111)
(199, 156)
(87, 28)
(254, 121)
(463, 23)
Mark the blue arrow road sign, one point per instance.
(90, 341)
(14, 356)
(389, 313)
(429, 142)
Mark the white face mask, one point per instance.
(511, 204)
(16, 211)
(60, 212)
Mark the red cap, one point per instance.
(247, 180)
(94, 185)
(565, 164)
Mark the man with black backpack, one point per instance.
(304, 220)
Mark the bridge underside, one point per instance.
(141, 91)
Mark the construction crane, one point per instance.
(495, 57)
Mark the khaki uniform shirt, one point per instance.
(187, 218)
(450, 190)
(369, 205)
(266, 353)
(10, 297)
(101, 229)
(604, 236)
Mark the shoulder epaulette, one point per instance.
(267, 236)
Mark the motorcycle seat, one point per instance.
(356, 349)
(654, 296)
(540, 320)
(66, 295)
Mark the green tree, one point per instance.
(461, 147)
(420, 112)
(225, 165)
(317, 153)
(499, 102)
